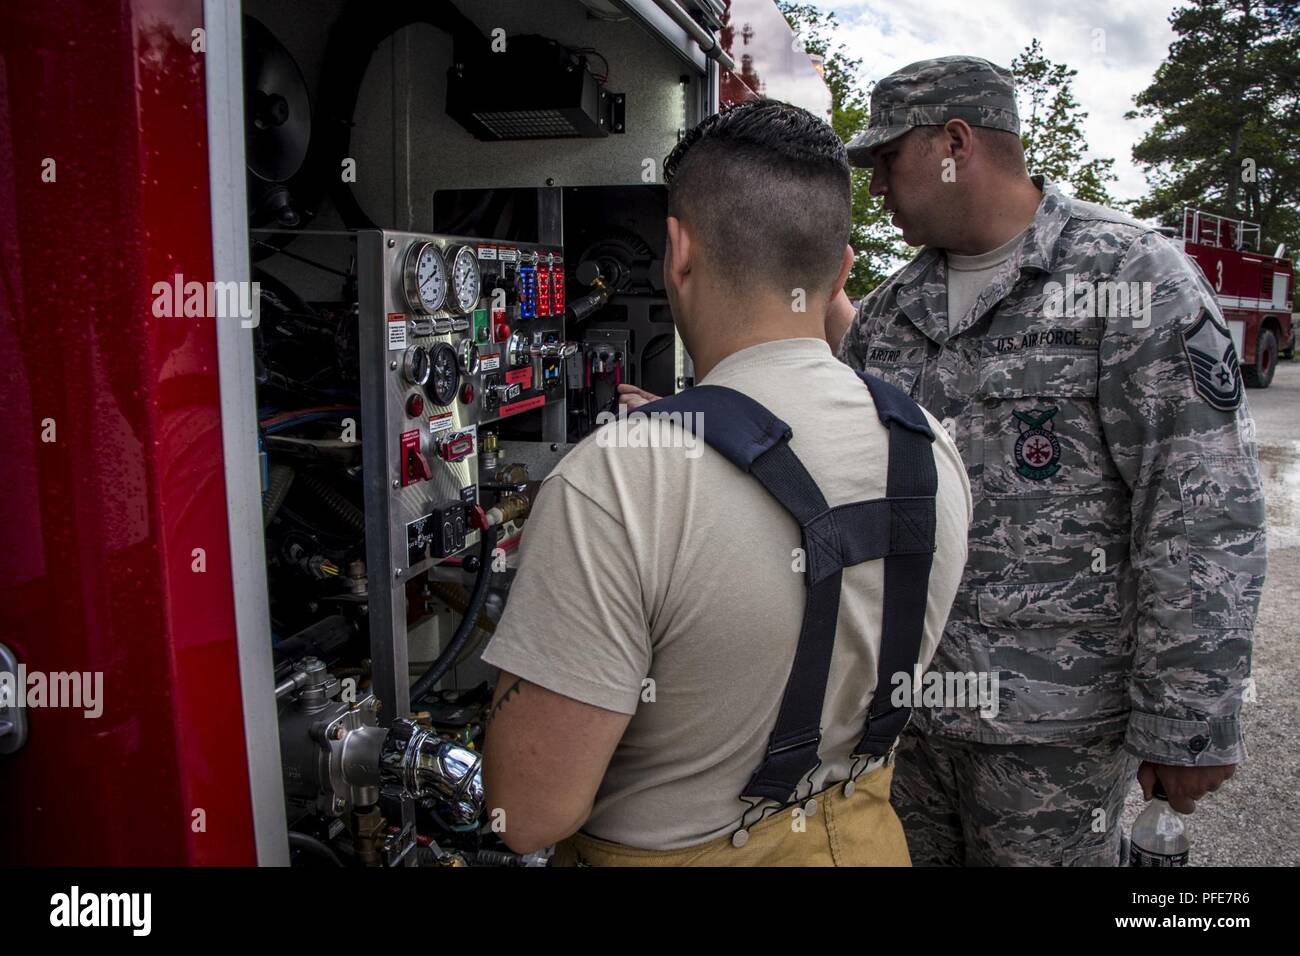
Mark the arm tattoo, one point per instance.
(510, 691)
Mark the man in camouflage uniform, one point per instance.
(1116, 551)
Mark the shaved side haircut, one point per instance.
(765, 188)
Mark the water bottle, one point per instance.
(1159, 835)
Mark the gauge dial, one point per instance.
(468, 356)
(465, 280)
(425, 278)
(415, 365)
(444, 378)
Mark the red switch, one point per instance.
(415, 467)
(478, 517)
(456, 447)
(543, 290)
(557, 289)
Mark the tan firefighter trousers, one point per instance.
(860, 829)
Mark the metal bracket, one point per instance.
(13, 715)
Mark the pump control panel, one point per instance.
(455, 333)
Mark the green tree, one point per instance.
(875, 242)
(1226, 105)
(1051, 126)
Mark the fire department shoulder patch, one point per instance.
(1215, 372)
(1037, 451)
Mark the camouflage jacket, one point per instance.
(1117, 550)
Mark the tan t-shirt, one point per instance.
(668, 563)
(968, 276)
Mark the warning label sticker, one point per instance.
(537, 401)
(396, 331)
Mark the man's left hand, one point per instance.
(1183, 785)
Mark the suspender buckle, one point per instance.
(883, 731)
(802, 740)
(786, 763)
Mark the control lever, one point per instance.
(504, 487)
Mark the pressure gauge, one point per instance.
(425, 278)
(468, 356)
(416, 365)
(465, 281)
(444, 378)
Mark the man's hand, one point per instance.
(632, 397)
(1183, 785)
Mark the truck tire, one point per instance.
(1260, 375)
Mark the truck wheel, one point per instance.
(1260, 374)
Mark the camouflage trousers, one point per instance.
(971, 804)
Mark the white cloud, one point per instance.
(1135, 37)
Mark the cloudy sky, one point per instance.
(1134, 38)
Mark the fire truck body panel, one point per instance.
(116, 556)
(1253, 289)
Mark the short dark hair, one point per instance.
(1005, 149)
(766, 188)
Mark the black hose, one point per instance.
(277, 488)
(309, 844)
(335, 501)
(477, 598)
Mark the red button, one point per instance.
(467, 394)
(500, 328)
(415, 405)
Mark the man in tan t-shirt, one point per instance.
(653, 623)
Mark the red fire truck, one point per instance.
(1253, 289)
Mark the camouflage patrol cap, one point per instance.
(931, 92)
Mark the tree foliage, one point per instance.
(1051, 127)
(875, 242)
(1226, 105)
